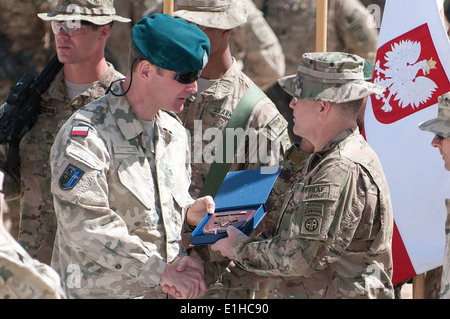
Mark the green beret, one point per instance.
(171, 43)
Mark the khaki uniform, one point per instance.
(120, 199)
(333, 237)
(22, 277)
(38, 223)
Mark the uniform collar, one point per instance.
(130, 125)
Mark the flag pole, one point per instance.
(168, 7)
(321, 25)
(419, 287)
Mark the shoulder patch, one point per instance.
(79, 131)
(70, 177)
(319, 192)
(278, 125)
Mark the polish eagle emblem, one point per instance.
(405, 76)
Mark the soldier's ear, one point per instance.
(105, 32)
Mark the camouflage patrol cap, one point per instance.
(99, 12)
(334, 77)
(218, 14)
(441, 124)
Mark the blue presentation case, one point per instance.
(240, 190)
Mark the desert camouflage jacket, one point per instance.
(120, 200)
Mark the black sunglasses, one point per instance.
(188, 77)
(440, 138)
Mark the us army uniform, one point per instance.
(332, 238)
(120, 199)
(38, 222)
(329, 248)
(440, 127)
(22, 277)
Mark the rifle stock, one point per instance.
(20, 112)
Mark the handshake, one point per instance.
(184, 278)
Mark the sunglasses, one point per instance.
(440, 138)
(188, 77)
(72, 29)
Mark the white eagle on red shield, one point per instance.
(409, 69)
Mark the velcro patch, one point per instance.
(318, 192)
(79, 131)
(70, 177)
(312, 218)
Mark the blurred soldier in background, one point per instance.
(350, 29)
(257, 49)
(118, 44)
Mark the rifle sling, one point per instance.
(239, 118)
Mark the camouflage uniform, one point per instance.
(332, 238)
(212, 109)
(29, 40)
(38, 222)
(294, 23)
(257, 49)
(22, 277)
(120, 223)
(440, 126)
(118, 44)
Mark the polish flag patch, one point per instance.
(79, 131)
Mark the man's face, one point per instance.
(303, 116)
(443, 144)
(168, 93)
(76, 42)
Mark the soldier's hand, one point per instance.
(198, 210)
(224, 245)
(184, 278)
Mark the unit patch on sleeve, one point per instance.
(319, 192)
(312, 218)
(70, 177)
(79, 131)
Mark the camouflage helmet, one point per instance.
(334, 77)
(441, 124)
(99, 12)
(218, 14)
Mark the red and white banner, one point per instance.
(413, 65)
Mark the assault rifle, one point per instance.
(20, 112)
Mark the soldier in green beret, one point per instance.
(121, 174)
(332, 227)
